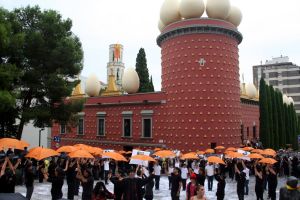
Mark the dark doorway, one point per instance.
(127, 148)
(213, 145)
(254, 131)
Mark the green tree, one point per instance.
(142, 70)
(281, 129)
(151, 85)
(287, 124)
(48, 57)
(270, 139)
(263, 114)
(275, 118)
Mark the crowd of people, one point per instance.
(132, 182)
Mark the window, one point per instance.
(80, 130)
(101, 127)
(146, 123)
(62, 129)
(127, 127)
(127, 123)
(147, 127)
(101, 123)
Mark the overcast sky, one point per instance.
(270, 28)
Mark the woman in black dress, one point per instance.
(57, 183)
(259, 186)
(29, 179)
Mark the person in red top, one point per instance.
(191, 188)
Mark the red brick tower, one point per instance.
(200, 75)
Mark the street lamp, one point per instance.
(40, 136)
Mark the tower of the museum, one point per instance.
(115, 64)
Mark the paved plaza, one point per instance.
(42, 191)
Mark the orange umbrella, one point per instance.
(235, 155)
(24, 143)
(165, 154)
(114, 155)
(271, 150)
(143, 158)
(231, 149)
(122, 152)
(256, 151)
(255, 156)
(41, 153)
(268, 161)
(208, 151)
(82, 147)
(157, 149)
(80, 154)
(96, 151)
(189, 156)
(13, 143)
(200, 152)
(268, 153)
(215, 159)
(66, 149)
(247, 148)
(220, 147)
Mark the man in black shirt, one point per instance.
(176, 184)
(241, 180)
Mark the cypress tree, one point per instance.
(279, 104)
(287, 124)
(270, 137)
(275, 118)
(263, 114)
(142, 70)
(151, 85)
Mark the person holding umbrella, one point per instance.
(259, 182)
(272, 181)
(87, 182)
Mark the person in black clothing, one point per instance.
(101, 193)
(29, 179)
(3, 175)
(221, 185)
(272, 181)
(201, 176)
(70, 170)
(240, 177)
(133, 186)
(149, 189)
(41, 170)
(118, 187)
(87, 182)
(57, 183)
(51, 168)
(259, 186)
(96, 169)
(176, 184)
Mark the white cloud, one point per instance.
(270, 28)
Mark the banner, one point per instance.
(139, 162)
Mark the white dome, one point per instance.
(169, 12)
(235, 16)
(92, 87)
(130, 81)
(161, 25)
(251, 90)
(218, 9)
(285, 99)
(291, 100)
(191, 8)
